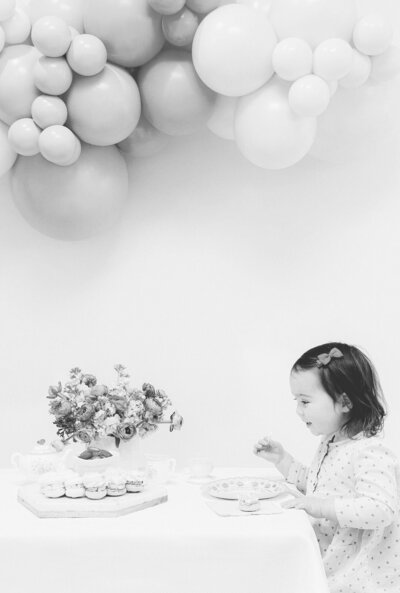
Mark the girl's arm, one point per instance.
(376, 493)
(293, 471)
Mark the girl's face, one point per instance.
(315, 406)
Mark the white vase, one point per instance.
(130, 454)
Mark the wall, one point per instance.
(219, 275)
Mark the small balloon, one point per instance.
(144, 141)
(70, 11)
(203, 6)
(232, 50)
(73, 202)
(267, 131)
(167, 6)
(49, 111)
(373, 34)
(7, 8)
(23, 136)
(387, 65)
(292, 58)
(105, 108)
(7, 153)
(314, 20)
(51, 35)
(180, 28)
(221, 122)
(17, 28)
(87, 55)
(17, 87)
(52, 76)
(130, 29)
(175, 101)
(333, 59)
(309, 96)
(359, 72)
(59, 145)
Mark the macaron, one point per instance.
(95, 486)
(74, 487)
(134, 483)
(52, 485)
(116, 485)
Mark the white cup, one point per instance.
(159, 468)
(200, 467)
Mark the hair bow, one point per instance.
(324, 359)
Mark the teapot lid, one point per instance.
(43, 447)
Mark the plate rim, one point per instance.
(207, 487)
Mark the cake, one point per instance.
(74, 487)
(134, 483)
(249, 503)
(52, 485)
(95, 486)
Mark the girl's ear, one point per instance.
(345, 401)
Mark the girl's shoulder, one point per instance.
(373, 447)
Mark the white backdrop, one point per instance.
(219, 276)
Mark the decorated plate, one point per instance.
(234, 488)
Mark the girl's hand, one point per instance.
(269, 450)
(320, 508)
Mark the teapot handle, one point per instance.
(16, 459)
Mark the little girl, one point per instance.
(352, 487)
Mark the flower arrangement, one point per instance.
(87, 411)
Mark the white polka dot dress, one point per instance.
(361, 551)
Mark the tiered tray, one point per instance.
(110, 506)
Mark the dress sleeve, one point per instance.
(297, 475)
(376, 490)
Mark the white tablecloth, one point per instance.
(180, 546)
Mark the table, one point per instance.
(177, 547)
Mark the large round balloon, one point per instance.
(232, 50)
(105, 108)
(17, 88)
(314, 20)
(71, 11)
(7, 154)
(356, 122)
(175, 101)
(72, 202)
(268, 133)
(130, 29)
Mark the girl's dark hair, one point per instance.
(354, 375)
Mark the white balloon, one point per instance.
(359, 73)
(7, 153)
(309, 96)
(48, 110)
(59, 145)
(261, 5)
(386, 65)
(221, 122)
(333, 59)
(267, 132)
(51, 35)
(17, 28)
(314, 20)
(232, 50)
(2, 38)
(23, 136)
(292, 58)
(373, 34)
(7, 8)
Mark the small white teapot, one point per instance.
(44, 457)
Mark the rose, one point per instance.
(89, 380)
(125, 431)
(84, 436)
(60, 408)
(85, 412)
(176, 422)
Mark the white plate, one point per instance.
(234, 488)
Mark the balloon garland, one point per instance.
(87, 86)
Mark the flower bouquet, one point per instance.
(86, 411)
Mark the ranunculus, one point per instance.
(98, 391)
(60, 407)
(176, 422)
(119, 402)
(89, 380)
(111, 424)
(54, 391)
(85, 412)
(145, 428)
(125, 431)
(152, 406)
(148, 389)
(84, 436)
